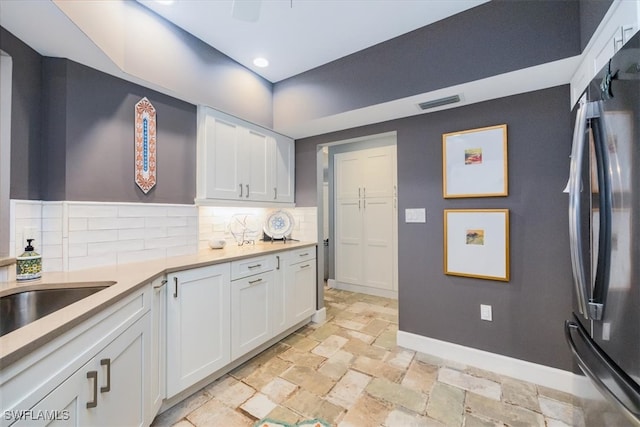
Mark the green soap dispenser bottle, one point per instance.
(29, 264)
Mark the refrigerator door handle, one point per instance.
(610, 380)
(603, 265)
(574, 187)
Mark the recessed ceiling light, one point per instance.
(261, 62)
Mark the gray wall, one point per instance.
(591, 13)
(26, 117)
(90, 133)
(493, 38)
(529, 310)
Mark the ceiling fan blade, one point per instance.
(246, 10)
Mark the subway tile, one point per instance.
(77, 250)
(51, 251)
(52, 210)
(93, 236)
(100, 210)
(141, 210)
(52, 224)
(51, 237)
(115, 246)
(165, 242)
(186, 211)
(164, 221)
(131, 233)
(52, 264)
(138, 256)
(28, 209)
(81, 263)
(78, 224)
(115, 223)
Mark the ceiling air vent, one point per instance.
(439, 102)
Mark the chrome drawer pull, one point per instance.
(254, 266)
(304, 254)
(251, 282)
(305, 266)
(93, 375)
(107, 363)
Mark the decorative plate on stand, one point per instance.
(279, 225)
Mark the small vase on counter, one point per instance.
(29, 264)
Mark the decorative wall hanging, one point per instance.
(474, 162)
(145, 145)
(476, 243)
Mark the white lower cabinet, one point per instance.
(300, 285)
(251, 312)
(157, 381)
(94, 375)
(198, 325)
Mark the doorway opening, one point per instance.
(362, 260)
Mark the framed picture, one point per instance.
(476, 243)
(474, 163)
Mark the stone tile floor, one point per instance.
(349, 372)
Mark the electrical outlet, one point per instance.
(485, 312)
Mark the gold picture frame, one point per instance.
(474, 163)
(476, 243)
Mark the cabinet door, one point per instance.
(379, 172)
(66, 405)
(112, 384)
(300, 290)
(279, 300)
(251, 300)
(378, 243)
(222, 159)
(349, 241)
(348, 171)
(123, 367)
(254, 165)
(198, 324)
(283, 169)
(158, 347)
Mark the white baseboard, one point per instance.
(362, 289)
(546, 376)
(320, 316)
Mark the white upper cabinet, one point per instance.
(284, 163)
(242, 162)
(620, 23)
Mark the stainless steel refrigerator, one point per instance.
(604, 221)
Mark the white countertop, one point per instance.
(126, 278)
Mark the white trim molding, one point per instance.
(546, 376)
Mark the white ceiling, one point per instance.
(298, 35)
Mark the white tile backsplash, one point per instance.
(77, 235)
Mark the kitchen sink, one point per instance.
(21, 308)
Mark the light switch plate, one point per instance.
(415, 215)
(485, 312)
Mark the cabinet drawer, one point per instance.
(300, 255)
(249, 267)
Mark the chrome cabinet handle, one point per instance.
(93, 375)
(247, 191)
(164, 282)
(240, 190)
(305, 266)
(254, 266)
(278, 262)
(107, 363)
(358, 192)
(275, 193)
(304, 254)
(252, 282)
(175, 289)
